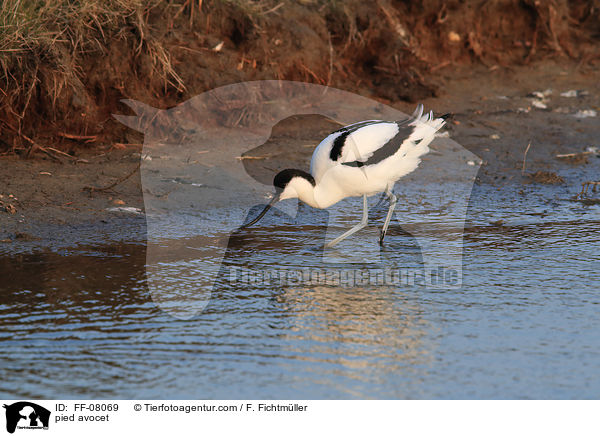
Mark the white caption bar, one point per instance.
(296, 417)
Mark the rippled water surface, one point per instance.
(80, 323)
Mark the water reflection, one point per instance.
(81, 323)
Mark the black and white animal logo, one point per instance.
(26, 415)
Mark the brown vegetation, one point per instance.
(65, 65)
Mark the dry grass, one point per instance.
(52, 29)
(43, 45)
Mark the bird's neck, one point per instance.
(318, 196)
(326, 196)
(305, 192)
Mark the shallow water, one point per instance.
(80, 323)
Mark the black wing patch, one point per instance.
(388, 149)
(338, 143)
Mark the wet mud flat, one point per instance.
(555, 109)
(47, 204)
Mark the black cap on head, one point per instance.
(283, 177)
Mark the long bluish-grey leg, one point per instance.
(356, 228)
(393, 201)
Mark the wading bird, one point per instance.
(361, 159)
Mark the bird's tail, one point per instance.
(428, 119)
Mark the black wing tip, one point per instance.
(447, 116)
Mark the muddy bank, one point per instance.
(46, 203)
(65, 70)
(554, 107)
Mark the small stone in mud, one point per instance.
(9, 208)
(125, 209)
(586, 113)
(574, 93)
(593, 150)
(453, 36)
(546, 178)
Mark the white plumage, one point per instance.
(360, 159)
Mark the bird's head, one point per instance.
(292, 183)
(289, 183)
